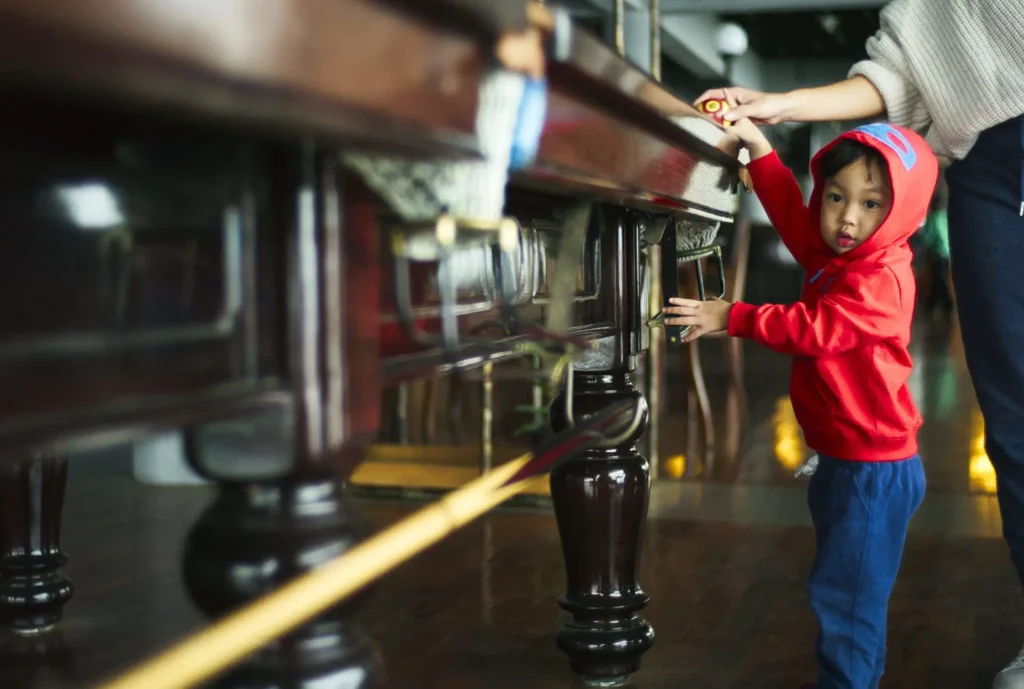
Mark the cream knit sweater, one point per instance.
(951, 67)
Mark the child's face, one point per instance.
(853, 204)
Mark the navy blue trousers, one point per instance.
(986, 242)
(860, 511)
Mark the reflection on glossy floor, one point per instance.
(728, 547)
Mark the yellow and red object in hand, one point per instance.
(715, 109)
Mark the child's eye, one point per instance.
(835, 198)
(872, 205)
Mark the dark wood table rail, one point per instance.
(183, 247)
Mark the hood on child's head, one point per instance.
(913, 172)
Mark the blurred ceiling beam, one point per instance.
(752, 6)
(607, 5)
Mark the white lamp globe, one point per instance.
(731, 39)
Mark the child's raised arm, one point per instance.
(777, 190)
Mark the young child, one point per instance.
(848, 337)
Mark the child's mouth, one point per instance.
(846, 241)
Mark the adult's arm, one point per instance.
(889, 67)
(851, 99)
(855, 98)
(882, 85)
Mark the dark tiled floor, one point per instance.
(726, 555)
(479, 610)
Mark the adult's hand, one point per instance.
(761, 108)
(851, 99)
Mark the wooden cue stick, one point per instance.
(218, 647)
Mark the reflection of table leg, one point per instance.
(269, 524)
(254, 537)
(32, 589)
(34, 661)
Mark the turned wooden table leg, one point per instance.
(601, 506)
(601, 497)
(33, 591)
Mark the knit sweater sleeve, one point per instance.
(889, 69)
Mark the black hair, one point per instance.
(846, 152)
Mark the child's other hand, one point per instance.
(752, 137)
(703, 317)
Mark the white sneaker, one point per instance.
(807, 468)
(1011, 676)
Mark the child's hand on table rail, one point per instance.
(703, 317)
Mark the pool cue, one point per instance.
(215, 649)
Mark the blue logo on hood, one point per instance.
(893, 139)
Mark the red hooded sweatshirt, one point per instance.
(849, 332)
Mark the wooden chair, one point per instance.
(699, 412)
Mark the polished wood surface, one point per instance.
(349, 69)
(637, 165)
(145, 318)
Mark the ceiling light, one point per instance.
(731, 39)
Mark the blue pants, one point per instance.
(986, 242)
(860, 511)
